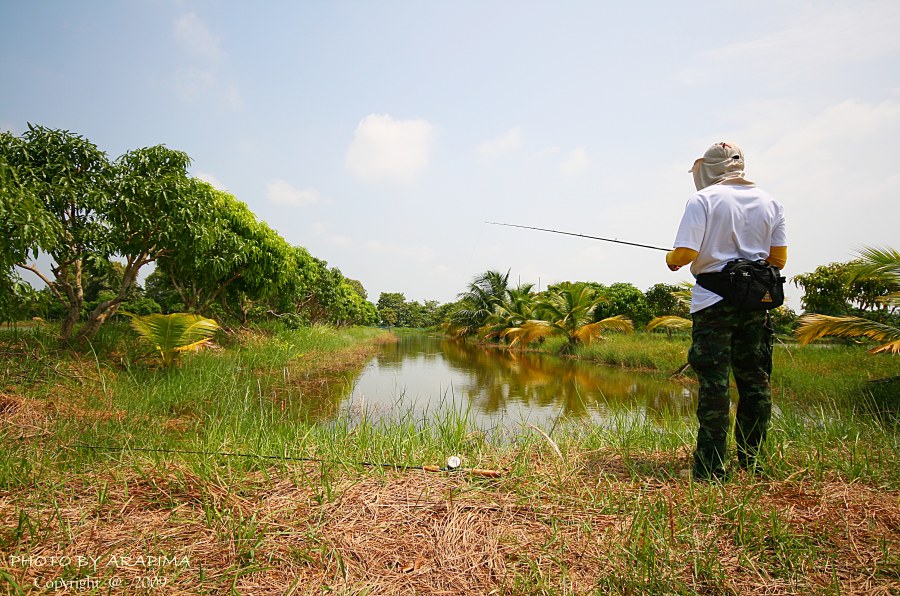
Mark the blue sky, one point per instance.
(381, 135)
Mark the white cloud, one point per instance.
(193, 34)
(207, 177)
(499, 145)
(388, 150)
(574, 164)
(200, 79)
(282, 193)
(815, 41)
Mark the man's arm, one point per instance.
(678, 258)
(777, 256)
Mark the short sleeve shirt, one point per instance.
(724, 222)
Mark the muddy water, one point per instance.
(421, 374)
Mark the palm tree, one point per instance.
(567, 311)
(516, 307)
(478, 303)
(174, 333)
(883, 264)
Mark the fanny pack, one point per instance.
(747, 285)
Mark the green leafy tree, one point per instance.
(158, 287)
(834, 290)
(230, 258)
(626, 300)
(89, 210)
(152, 213)
(662, 300)
(391, 306)
(61, 182)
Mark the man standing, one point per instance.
(728, 218)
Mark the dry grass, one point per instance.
(559, 531)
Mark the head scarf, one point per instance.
(723, 163)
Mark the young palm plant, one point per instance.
(478, 303)
(173, 334)
(568, 312)
(513, 310)
(883, 264)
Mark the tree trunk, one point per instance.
(108, 308)
(74, 297)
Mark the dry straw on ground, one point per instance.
(415, 532)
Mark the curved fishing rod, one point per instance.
(494, 223)
(450, 467)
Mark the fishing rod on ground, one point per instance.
(453, 462)
(495, 223)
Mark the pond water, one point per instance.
(423, 374)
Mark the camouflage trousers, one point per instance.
(725, 340)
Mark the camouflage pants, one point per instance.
(727, 339)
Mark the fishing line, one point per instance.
(448, 468)
(494, 223)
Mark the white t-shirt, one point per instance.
(724, 222)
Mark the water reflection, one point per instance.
(423, 372)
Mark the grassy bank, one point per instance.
(225, 475)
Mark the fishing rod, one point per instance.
(453, 463)
(494, 223)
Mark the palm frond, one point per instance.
(815, 326)
(877, 263)
(530, 331)
(587, 333)
(670, 322)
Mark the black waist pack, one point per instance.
(747, 285)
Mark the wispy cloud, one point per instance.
(193, 34)
(200, 78)
(510, 140)
(816, 41)
(388, 150)
(282, 193)
(575, 163)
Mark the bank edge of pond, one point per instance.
(588, 509)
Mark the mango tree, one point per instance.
(152, 212)
(231, 258)
(60, 182)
